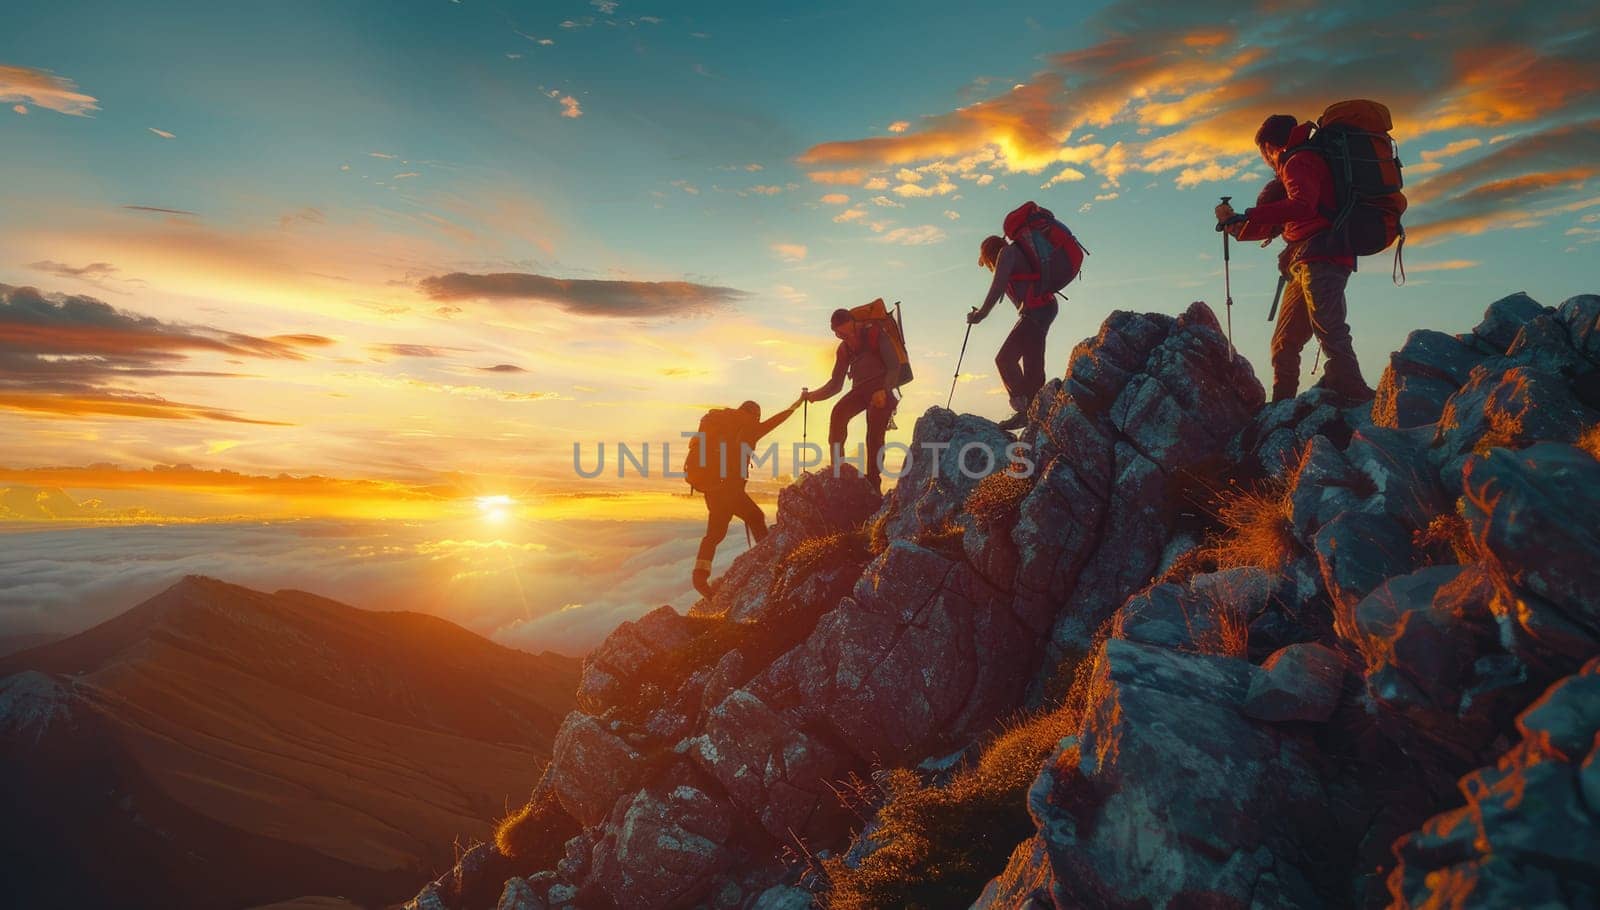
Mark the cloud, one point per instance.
(835, 199)
(20, 108)
(914, 236)
(585, 297)
(789, 252)
(1451, 150)
(66, 355)
(157, 210)
(1211, 173)
(855, 214)
(406, 176)
(1446, 265)
(162, 133)
(502, 368)
(1164, 89)
(899, 126)
(570, 107)
(94, 272)
(1517, 182)
(605, 6)
(1067, 175)
(510, 584)
(766, 189)
(384, 155)
(886, 202)
(42, 88)
(412, 350)
(952, 215)
(854, 177)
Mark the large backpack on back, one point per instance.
(1353, 137)
(876, 317)
(1041, 235)
(714, 455)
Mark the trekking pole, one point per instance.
(959, 358)
(1272, 314)
(805, 416)
(1227, 280)
(1315, 361)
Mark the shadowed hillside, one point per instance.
(221, 747)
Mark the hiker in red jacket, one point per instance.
(1318, 262)
(1020, 360)
(725, 492)
(866, 353)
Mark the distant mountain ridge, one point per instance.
(220, 747)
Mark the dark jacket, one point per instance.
(866, 358)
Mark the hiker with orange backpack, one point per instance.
(1341, 198)
(1040, 258)
(872, 351)
(717, 465)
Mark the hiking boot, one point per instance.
(1351, 393)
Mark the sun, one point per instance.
(495, 509)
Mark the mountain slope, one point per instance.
(221, 747)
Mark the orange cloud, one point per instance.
(45, 89)
(107, 404)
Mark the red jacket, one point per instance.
(1305, 213)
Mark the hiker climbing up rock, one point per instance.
(1039, 259)
(872, 351)
(717, 466)
(1327, 217)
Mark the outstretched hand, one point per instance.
(974, 317)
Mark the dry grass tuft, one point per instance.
(1256, 527)
(945, 538)
(536, 834)
(997, 497)
(851, 548)
(941, 844)
(1590, 441)
(1447, 534)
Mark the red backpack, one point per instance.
(1040, 235)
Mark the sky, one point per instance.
(360, 262)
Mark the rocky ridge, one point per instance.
(1273, 715)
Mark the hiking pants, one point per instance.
(723, 502)
(1313, 304)
(854, 402)
(1021, 357)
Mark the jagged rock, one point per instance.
(1504, 318)
(663, 847)
(1513, 408)
(770, 768)
(1422, 636)
(1528, 836)
(1173, 797)
(1581, 316)
(1147, 404)
(1027, 882)
(924, 653)
(519, 895)
(950, 455)
(591, 767)
(1420, 378)
(613, 670)
(816, 505)
(1301, 682)
(783, 897)
(1536, 515)
(1275, 438)
(1210, 614)
(427, 899)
